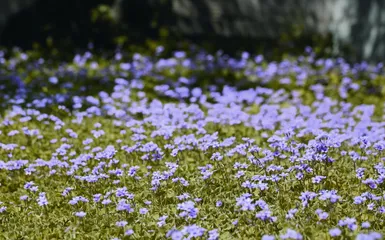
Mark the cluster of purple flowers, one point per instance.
(263, 156)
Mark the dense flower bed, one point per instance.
(191, 146)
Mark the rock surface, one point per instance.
(356, 23)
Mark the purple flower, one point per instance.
(159, 50)
(291, 213)
(180, 54)
(291, 234)
(42, 200)
(80, 214)
(258, 59)
(53, 80)
(106, 201)
(28, 185)
(162, 221)
(331, 195)
(3, 209)
(335, 232)
(124, 206)
(348, 222)
(213, 235)
(175, 234)
(193, 231)
(97, 197)
(375, 235)
(183, 196)
(121, 223)
(122, 192)
(321, 214)
(188, 209)
(318, 179)
(108, 153)
(265, 215)
(370, 182)
(245, 202)
(129, 232)
(365, 225)
(359, 200)
(143, 210)
(268, 237)
(370, 236)
(23, 198)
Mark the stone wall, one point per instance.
(359, 24)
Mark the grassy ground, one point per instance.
(152, 146)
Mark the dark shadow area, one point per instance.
(141, 19)
(265, 26)
(68, 23)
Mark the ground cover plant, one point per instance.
(190, 146)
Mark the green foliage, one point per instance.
(27, 220)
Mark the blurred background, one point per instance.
(354, 29)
